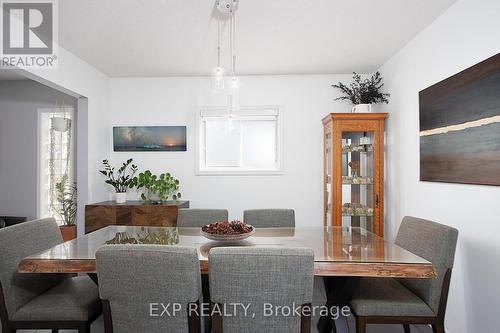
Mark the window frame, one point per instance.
(254, 111)
(41, 112)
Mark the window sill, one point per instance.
(239, 173)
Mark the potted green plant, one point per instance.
(362, 93)
(157, 188)
(66, 207)
(60, 124)
(120, 181)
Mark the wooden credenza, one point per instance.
(137, 213)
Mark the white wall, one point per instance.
(77, 78)
(466, 34)
(19, 104)
(173, 101)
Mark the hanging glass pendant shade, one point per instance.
(234, 93)
(218, 79)
(233, 79)
(218, 75)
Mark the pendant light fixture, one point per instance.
(234, 81)
(218, 77)
(227, 9)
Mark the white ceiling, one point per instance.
(125, 38)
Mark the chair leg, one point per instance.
(438, 328)
(6, 328)
(407, 328)
(360, 325)
(216, 320)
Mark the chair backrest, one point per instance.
(20, 241)
(434, 242)
(11, 220)
(270, 218)
(200, 217)
(136, 281)
(259, 278)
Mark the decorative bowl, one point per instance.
(226, 237)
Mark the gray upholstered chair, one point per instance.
(200, 217)
(6, 221)
(132, 277)
(411, 301)
(41, 301)
(258, 276)
(270, 218)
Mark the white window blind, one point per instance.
(248, 143)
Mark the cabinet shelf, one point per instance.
(367, 148)
(346, 180)
(357, 215)
(356, 209)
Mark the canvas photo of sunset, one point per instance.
(149, 138)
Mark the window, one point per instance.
(249, 143)
(55, 158)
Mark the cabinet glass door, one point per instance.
(358, 166)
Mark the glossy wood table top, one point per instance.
(337, 251)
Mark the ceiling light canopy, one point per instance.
(226, 6)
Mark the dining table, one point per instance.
(340, 254)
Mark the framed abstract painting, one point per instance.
(460, 127)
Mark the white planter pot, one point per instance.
(362, 108)
(121, 198)
(60, 124)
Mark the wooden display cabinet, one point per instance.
(354, 170)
